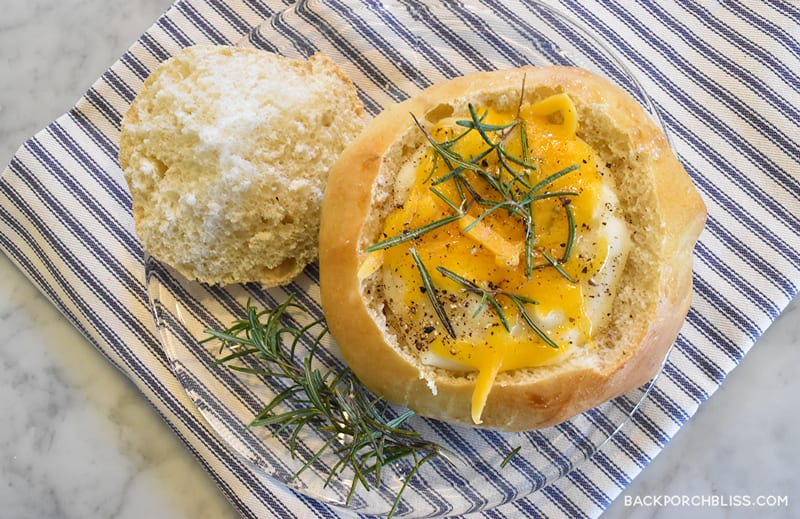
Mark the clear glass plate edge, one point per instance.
(156, 294)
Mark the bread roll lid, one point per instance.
(226, 152)
(496, 318)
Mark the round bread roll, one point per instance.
(226, 152)
(538, 284)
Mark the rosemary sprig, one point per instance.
(361, 430)
(489, 295)
(431, 292)
(412, 234)
(483, 128)
(509, 190)
(519, 302)
(547, 181)
(519, 204)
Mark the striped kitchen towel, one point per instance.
(721, 78)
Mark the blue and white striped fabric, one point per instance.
(722, 78)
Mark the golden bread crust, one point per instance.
(663, 209)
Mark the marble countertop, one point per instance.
(78, 439)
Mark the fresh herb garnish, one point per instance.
(362, 432)
(431, 292)
(509, 456)
(509, 191)
(413, 233)
(489, 295)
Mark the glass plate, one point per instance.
(390, 50)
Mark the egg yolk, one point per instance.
(507, 271)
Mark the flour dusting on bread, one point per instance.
(227, 151)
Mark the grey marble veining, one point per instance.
(79, 441)
(742, 441)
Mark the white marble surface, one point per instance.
(79, 441)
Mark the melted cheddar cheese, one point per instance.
(578, 249)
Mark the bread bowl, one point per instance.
(494, 319)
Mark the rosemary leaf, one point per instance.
(500, 313)
(413, 233)
(520, 162)
(571, 230)
(487, 296)
(509, 456)
(552, 178)
(512, 207)
(479, 127)
(414, 470)
(472, 124)
(504, 158)
(446, 200)
(433, 169)
(531, 324)
(549, 194)
(431, 292)
(235, 355)
(530, 242)
(523, 138)
(557, 265)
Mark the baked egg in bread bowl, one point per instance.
(508, 249)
